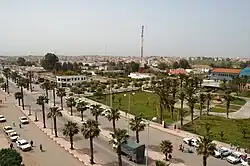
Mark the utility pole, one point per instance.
(142, 41)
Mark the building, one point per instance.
(139, 75)
(245, 72)
(177, 71)
(224, 74)
(64, 81)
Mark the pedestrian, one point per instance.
(31, 143)
(11, 145)
(20, 125)
(14, 124)
(180, 147)
(41, 147)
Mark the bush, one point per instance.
(9, 157)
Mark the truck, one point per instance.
(134, 151)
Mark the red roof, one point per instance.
(177, 71)
(225, 70)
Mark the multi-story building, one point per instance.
(71, 80)
(224, 74)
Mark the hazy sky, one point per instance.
(84, 27)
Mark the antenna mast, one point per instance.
(142, 40)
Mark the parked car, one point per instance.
(2, 118)
(23, 145)
(8, 129)
(191, 141)
(24, 120)
(245, 162)
(222, 152)
(234, 158)
(13, 136)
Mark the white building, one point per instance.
(139, 75)
(64, 81)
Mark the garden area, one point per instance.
(224, 130)
(143, 103)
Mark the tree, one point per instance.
(161, 163)
(228, 98)
(30, 75)
(42, 100)
(46, 86)
(64, 66)
(113, 115)
(176, 65)
(70, 103)
(166, 148)
(182, 97)
(14, 76)
(191, 99)
(61, 93)
(137, 124)
(90, 130)
(184, 64)
(21, 83)
(119, 137)
(21, 61)
(10, 157)
(53, 86)
(81, 106)
(96, 111)
(49, 61)
(163, 66)
(202, 100)
(54, 112)
(221, 134)
(18, 96)
(6, 73)
(205, 145)
(209, 98)
(70, 129)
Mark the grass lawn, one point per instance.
(141, 102)
(239, 101)
(234, 107)
(245, 94)
(231, 128)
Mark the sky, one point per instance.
(217, 28)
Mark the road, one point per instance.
(103, 151)
(53, 155)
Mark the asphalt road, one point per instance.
(53, 155)
(103, 151)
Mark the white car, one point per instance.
(23, 145)
(13, 136)
(191, 141)
(24, 120)
(222, 152)
(8, 129)
(245, 162)
(2, 118)
(234, 158)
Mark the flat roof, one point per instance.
(226, 70)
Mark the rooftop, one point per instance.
(226, 70)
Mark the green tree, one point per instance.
(205, 145)
(181, 97)
(53, 86)
(228, 98)
(61, 93)
(202, 100)
(96, 111)
(49, 61)
(191, 99)
(21, 83)
(54, 112)
(46, 86)
(137, 124)
(18, 96)
(161, 163)
(6, 73)
(30, 75)
(70, 129)
(81, 106)
(119, 137)
(71, 103)
(42, 100)
(166, 148)
(90, 130)
(113, 115)
(209, 98)
(21, 61)
(14, 76)
(10, 157)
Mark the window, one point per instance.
(59, 79)
(68, 79)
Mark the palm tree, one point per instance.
(172, 102)
(54, 112)
(182, 77)
(202, 100)
(61, 93)
(174, 87)
(90, 130)
(46, 86)
(119, 137)
(209, 98)
(205, 145)
(166, 148)
(191, 99)
(42, 100)
(18, 96)
(14, 76)
(70, 129)
(182, 97)
(113, 115)
(71, 103)
(53, 86)
(96, 111)
(6, 73)
(228, 99)
(30, 75)
(81, 106)
(137, 124)
(21, 83)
